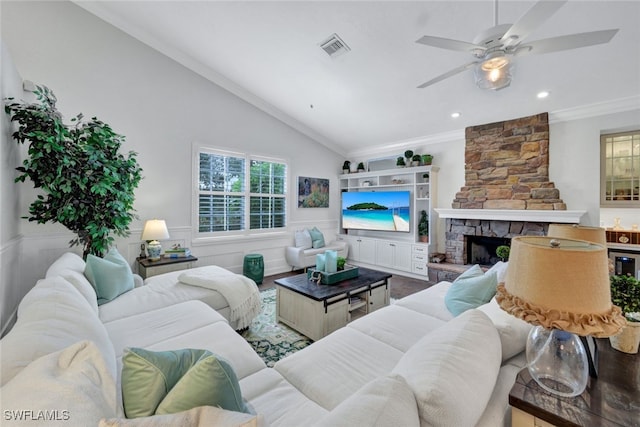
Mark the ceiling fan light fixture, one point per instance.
(493, 73)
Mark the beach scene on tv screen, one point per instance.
(383, 211)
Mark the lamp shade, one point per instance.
(560, 284)
(155, 229)
(578, 232)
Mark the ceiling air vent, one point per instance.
(334, 46)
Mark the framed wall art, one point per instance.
(313, 192)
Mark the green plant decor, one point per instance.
(361, 166)
(400, 161)
(503, 252)
(427, 159)
(625, 293)
(423, 224)
(341, 262)
(416, 158)
(87, 185)
(346, 165)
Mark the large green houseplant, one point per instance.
(625, 293)
(87, 184)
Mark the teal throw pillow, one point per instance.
(471, 289)
(317, 238)
(167, 382)
(110, 276)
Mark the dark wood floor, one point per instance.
(400, 286)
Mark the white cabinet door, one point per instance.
(394, 255)
(367, 251)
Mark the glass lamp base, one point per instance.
(154, 248)
(557, 361)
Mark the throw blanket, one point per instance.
(240, 292)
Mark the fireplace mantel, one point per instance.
(562, 216)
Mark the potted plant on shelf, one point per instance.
(361, 167)
(425, 177)
(400, 162)
(346, 166)
(415, 160)
(502, 252)
(423, 227)
(86, 183)
(427, 159)
(625, 293)
(408, 155)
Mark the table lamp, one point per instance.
(154, 230)
(578, 232)
(561, 286)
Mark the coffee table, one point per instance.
(316, 310)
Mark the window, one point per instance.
(620, 169)
(229, 183)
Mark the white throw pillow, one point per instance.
(52, 316)
(500, 268)
(72, 386)
(383, 402)
(452, 370)
(303, 239)
(513, 331)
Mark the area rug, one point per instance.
(270, 339)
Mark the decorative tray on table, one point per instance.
(349, 272)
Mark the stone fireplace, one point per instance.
(507, 191)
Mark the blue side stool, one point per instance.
(253, 267)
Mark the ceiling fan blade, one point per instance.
(571, 41)
(448, 74)
(449, 44)
(531, 20)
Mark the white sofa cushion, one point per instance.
(71, 267)
(513, 331)
(281, 404)
(430, 301)
(452, 371)
(396, 326)
(159, 291)
(52, 316)
(73, 385)
(384, 402)
(335, 367)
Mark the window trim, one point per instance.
(247, 232)
(603, 175)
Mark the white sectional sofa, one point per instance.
(410, 363)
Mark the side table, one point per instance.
(148, 268)
(612, 399)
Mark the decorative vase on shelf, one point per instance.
(627, 341)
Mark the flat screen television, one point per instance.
(376, 210)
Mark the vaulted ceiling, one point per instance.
(269, 54)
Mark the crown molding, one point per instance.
(597, 109)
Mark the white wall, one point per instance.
(163, 109)
(11, 291)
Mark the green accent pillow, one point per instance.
(167, 382)
(470, 290)
(317, 238)
(110, 276)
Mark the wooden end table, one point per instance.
(148, 268)
(316, 310)
(611, 400)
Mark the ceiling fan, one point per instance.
(495, 48)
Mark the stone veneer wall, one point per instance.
(457, 230)
(507, 167)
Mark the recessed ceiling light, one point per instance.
(455, 115)
(543, 94)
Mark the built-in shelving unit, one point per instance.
(398, 252)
